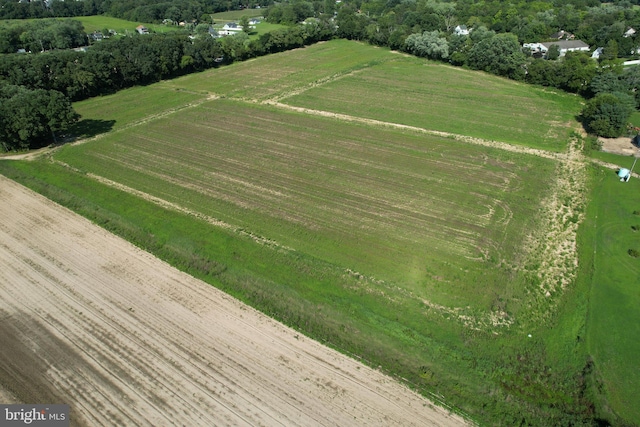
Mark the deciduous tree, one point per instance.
(607, 114)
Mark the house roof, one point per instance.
(562, 34)
(567, 44)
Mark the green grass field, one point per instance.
(614, 319)
(130, 106)
(271, 76)
(404, 208)
(235, 15)
(353, 79)
(121, 26)
(410, 251)
(450, 99)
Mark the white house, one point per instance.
(630, 32)
(536, 47)
(461, 30)
(229, 29)
(596, 53)
(568, 46)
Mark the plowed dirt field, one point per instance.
(90, 320)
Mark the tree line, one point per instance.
(422, 27)
(152, 11)
(30, 118)
(114, 64)
(40, 35)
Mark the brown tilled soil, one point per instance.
(622, 146)
(89, 320)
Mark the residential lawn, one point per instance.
(263, 28)
(614, 315)
(429, 95)
(121, 26)
(635, 119)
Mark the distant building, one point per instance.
(141, 29)
(567, 46)
(630, 32)
(596, 53)
(562, 35)
(229, 29)
(461, 30)
(535, 48)
(96, 36)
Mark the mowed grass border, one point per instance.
(509, 376)
(613, 325)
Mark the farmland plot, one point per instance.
(130, 106)
(399, 206)
(450, 99)
(278, 75)
(421, 252)
(125, 339)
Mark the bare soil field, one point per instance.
(89, 320)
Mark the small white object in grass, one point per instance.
(529, 335)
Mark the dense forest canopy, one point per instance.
(138, 10)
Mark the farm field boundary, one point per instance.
(301, 179)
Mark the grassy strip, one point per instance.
(616, 159)
(235, 15)
(500, 380)
(614, 315)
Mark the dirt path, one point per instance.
(125, 339)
